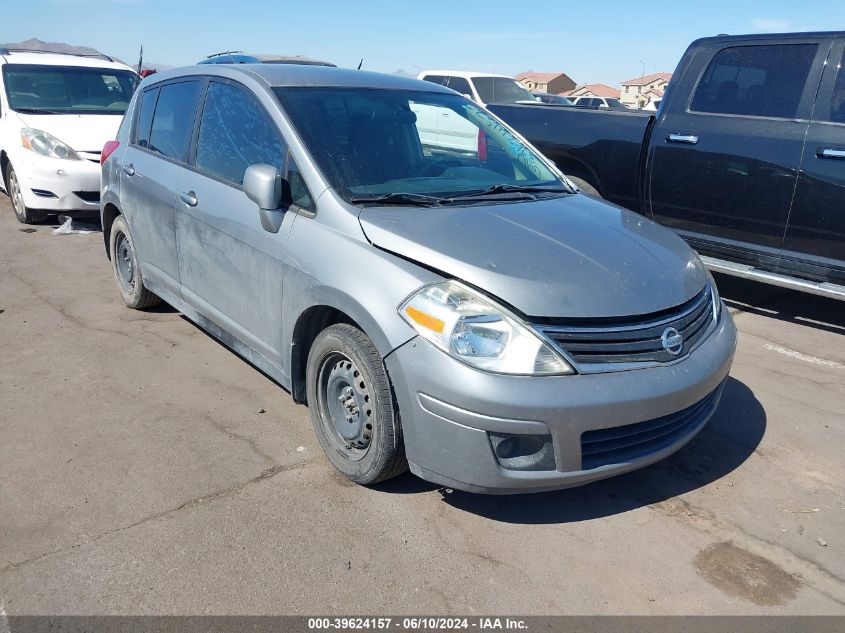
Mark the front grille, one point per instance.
(598, 346)
(624, 444)
(88, 196)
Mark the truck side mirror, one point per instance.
(264, 185)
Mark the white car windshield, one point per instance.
(36, 89)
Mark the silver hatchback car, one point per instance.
(431, 286)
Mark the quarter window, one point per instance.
(145, 117)
(236, 132)
(755, 80)
(173, 121)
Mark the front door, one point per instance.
(814, 245)
(723, 167)
(230, 267)
(151, 169)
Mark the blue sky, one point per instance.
(598, 41)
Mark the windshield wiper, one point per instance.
(38, 111)
(416, 199)
(500, 189)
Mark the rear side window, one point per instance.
(145, 117)
(173, 121)
(236, 132)
(755, 80)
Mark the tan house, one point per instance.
(553, 83)
(594, 90)
(640, 91)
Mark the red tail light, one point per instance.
(482, 146)
(108, 148)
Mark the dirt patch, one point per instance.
(740, 573)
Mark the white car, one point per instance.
(56, 112)
(604, 103)
(483, 88)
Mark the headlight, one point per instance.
(46, 145)
(479, 333)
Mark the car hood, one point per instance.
(82, 132)
(562, 257)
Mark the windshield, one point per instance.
(372, 143)
(37, 89)
(501, 90)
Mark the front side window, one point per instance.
(236, 132)
(34, 89)
(173, 120)
(500, 90)
(755, 80)
(614, 103)
(371, 142)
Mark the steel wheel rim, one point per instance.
(17, 195)
(123, 262)
(345, 406)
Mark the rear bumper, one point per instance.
(451, 414)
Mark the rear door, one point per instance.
(230, 267)
(151, 169)
(724, 164)
(814, 245)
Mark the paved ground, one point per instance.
(138, 476)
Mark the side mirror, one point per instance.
(263, 184)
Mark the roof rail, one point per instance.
(225, 53)
(7, 51)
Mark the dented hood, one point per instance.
(570, 256)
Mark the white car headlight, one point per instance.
(476, 331)
(45, 144)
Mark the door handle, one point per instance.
(689, 139)
(129, 169)
(830, 152)
(189, 198)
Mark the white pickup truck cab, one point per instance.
(57, 110)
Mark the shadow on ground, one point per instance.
(789, 306)
(729, 439)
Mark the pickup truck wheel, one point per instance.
(125, 265)
(585, 187)
(22, 213)
(352, 406)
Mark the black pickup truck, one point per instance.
(745, 158)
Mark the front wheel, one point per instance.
(126, 271)
(24, 214)
(352, 406)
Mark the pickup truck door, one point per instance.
(814, 245)
(724, 155)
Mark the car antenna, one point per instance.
(361, 63)
(140, 58)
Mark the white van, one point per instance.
(57, 110)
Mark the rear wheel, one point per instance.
(22, 213)
(352, 406)
(126, 271)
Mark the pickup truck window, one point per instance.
(837, 103)
(765, 80)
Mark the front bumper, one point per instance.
(55, 185)
(450, 410)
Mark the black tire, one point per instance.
(585, 187)
(24, 214)
(127, 273)
(343, 362)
